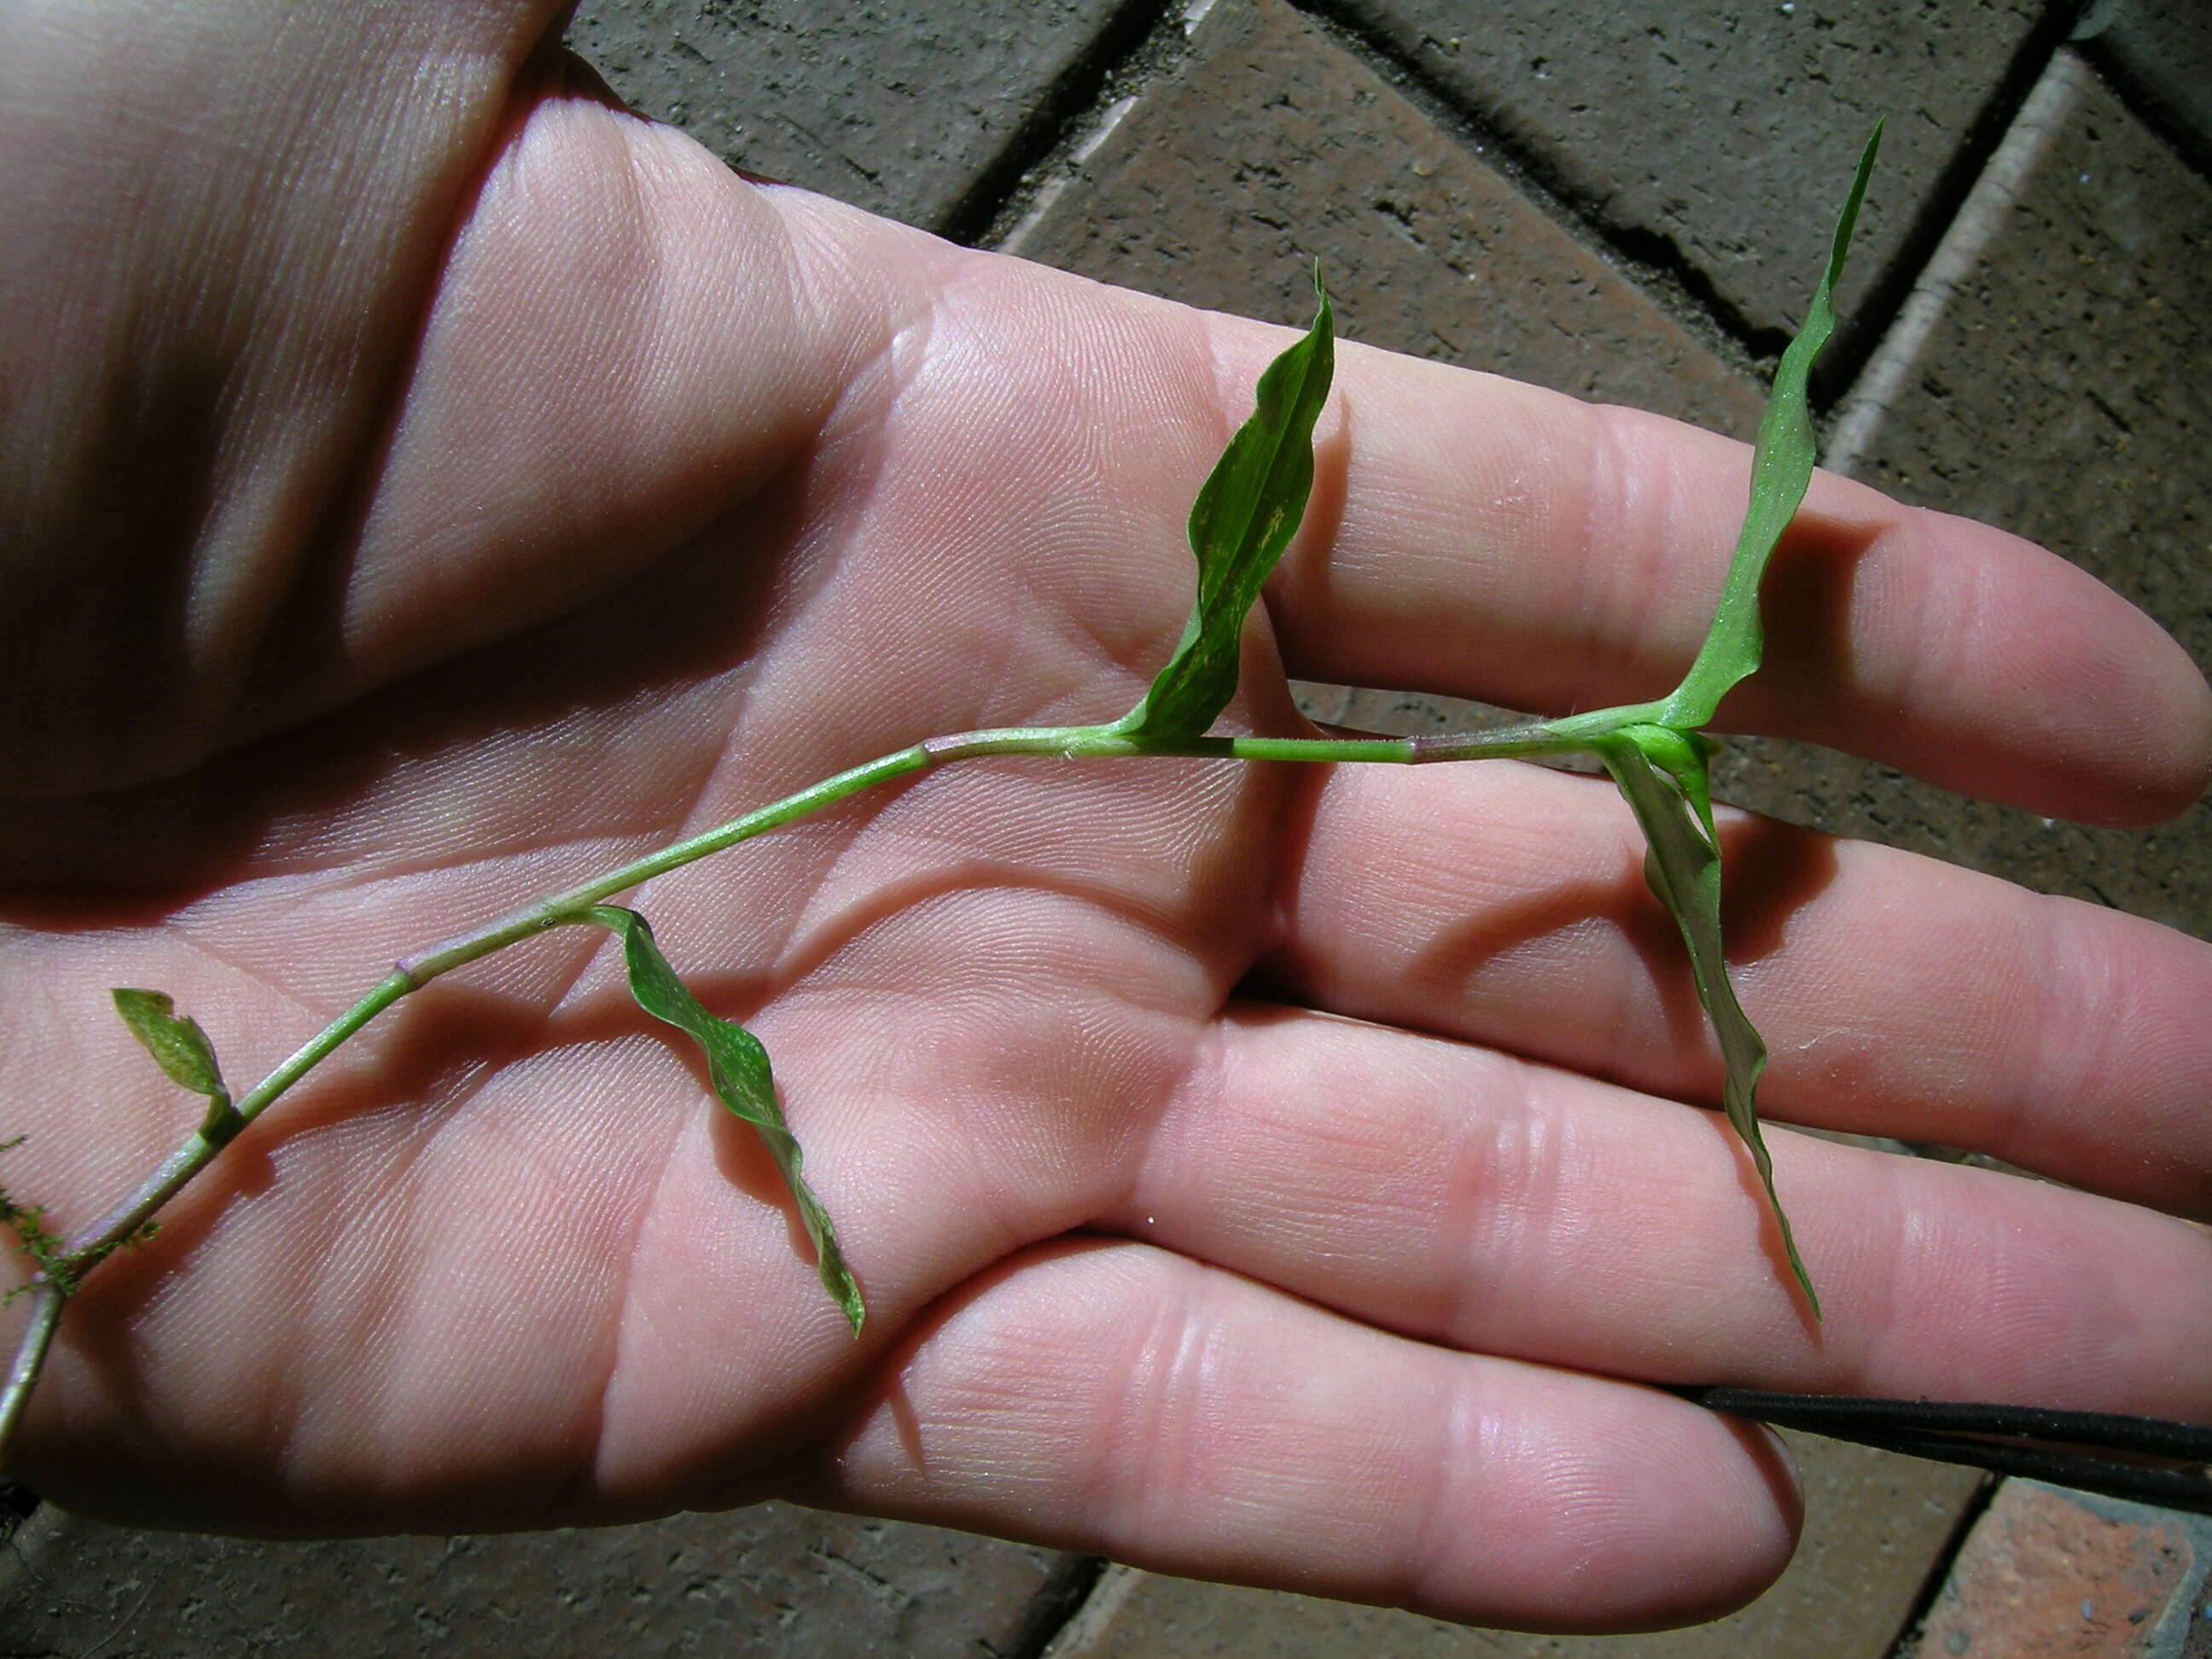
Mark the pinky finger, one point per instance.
(1119, 1399)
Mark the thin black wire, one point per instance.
(2031, 1441)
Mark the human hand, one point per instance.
(1253, 1172)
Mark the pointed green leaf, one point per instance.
(182, 1050)
(1245, 517)
(1781, 468)
(737, 1065)
(1662, 773)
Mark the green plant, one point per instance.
(1245, 517)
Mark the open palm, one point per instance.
(1272, 1173)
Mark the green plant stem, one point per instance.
(127, 1221)
(1067, 742)
(46, 1300)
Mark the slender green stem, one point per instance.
(127, 1221)
(1094, 742)
(1084, 742)
(539, 914)
(46, 1301)
(1586, 731)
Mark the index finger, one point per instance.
(1477, 538)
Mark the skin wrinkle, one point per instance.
(631, 1339)
(1293, 844)
(591, 853)
(465, 1277)
(660, 369)
(1427, 1576)
(1594, 953)
(738, 755)
(1050, 599)
(2136, 1024)
(1206, 1086)
(343, 1284)
(1101, 1479)
(900, 321)
(1619, 610)
(2054, 1061)
(530, 178)
(861, 416)
(1171, 1366)
(1498, 1160)
(1883, 1293)
(1925, 1268)
(2012, 1287)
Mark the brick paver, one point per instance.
(770, 1580)
(1706, 133)
(2047, 1574)
(1271, 146)
(895, 106)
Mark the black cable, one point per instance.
(2032, 1442)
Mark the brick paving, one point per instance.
(1627, 204)
(2047, 1574)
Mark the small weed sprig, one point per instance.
(1245, 515)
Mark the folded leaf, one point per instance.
(1781, 468)
(182, 1050)
(737, 1065)
(1245, 517)
(1662, 773)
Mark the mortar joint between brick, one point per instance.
(1861, 338)
(1138, 41)
(1906, 1642)
(1654, 261)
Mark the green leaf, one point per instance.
(1781, 468)
(1245, 517)
(737, 1065)
(182, 1050)
(1662, 773)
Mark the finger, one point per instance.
(1114, 1398)
(1465, 1197)
(1898, 996)
(1477, 538)
(213, 277)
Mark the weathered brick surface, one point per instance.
(1719, 129)
(895, 106)
(2051, 1574)
(768, 1580)
(1272, 146)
